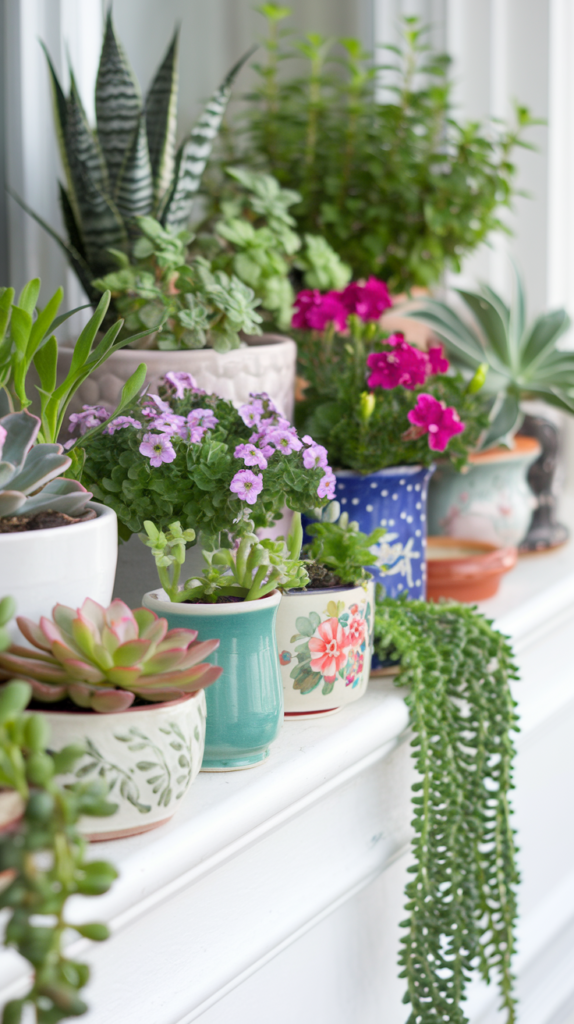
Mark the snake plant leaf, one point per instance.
(118, 103)
(161, 120)
(492, 323)
(194, 153)
(70, 222)
(544, 334)
(134, 193)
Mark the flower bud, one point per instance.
(367, 405)
(478, 380)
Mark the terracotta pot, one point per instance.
(466, 570)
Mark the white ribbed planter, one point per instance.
(268, 365)
(60, 565)
(149, 756)
(323, 676)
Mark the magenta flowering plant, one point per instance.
(187, 456)
(373, 400)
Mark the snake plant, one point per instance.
(522, 358)
(128, 166)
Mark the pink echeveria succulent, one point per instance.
(437, 419)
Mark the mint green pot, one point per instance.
(245, 705)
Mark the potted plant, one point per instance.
(492, 501)
(383, 410)
(398, 186)
(325, 628)
(127, 690)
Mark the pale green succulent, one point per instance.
(31, 475)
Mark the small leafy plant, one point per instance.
(461, 899)
(340, 546)
(102, 659)
(44, 857)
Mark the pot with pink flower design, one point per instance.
(325, 640)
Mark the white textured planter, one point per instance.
(149, 756)
(268, 365)
(60, 565)
(333, 670)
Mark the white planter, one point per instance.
(60, 565)
(149, 755)
(340, 622)
(265, 366)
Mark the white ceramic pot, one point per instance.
(149, 755)
(268, 365)
(325, 640)
(63, 564)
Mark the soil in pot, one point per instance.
(46, 520)
(466, 570)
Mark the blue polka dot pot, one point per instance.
(395, 498)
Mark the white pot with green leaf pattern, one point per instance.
(150, 755)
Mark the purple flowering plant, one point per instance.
(189, 457)
(372, 400)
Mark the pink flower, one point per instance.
(162, 406)
(439, 421)
(436, 360)
(260, 439)
(120, 423)
(315, 456)
(195, 434)
(404, 365)
(251, 414)
(3, 436)
(92, 416)
(157, 448)
(251, 455)
(265, 400)
(170, 423)
(247, 485)
(356, 631)
(327, 484)
(368, 301)
(202, 418)
(329, 649)
(304, 302)
(285, 441)
(330, 310)
(181, 382)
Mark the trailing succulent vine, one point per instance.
(461, 898)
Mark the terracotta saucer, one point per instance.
(466, 570)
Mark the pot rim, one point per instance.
(103, 512)
(88, 713)
(181, 608)
(294, 592)
(491, 561)
(522, 448)
(271, 341)
(387, 471)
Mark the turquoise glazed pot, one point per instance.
(244, 706)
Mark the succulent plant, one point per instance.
(103, 658)
(30, 475)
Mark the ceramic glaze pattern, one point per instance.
(325, 642)
(395, 498)
(148, 755)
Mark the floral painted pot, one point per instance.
(149, 755)
(63, 564)
(325, 640)
(245, 706)
(490, 501)
(395, 498)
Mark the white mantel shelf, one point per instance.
(276, 893)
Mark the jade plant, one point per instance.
(339, 552)
(128, 166)
(31, 479)
(102, 659)
(461, 897)
(43, 861)
(523, 359)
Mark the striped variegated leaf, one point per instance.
(161, 120)
(134, 194)
(193, 155)
(118, 103)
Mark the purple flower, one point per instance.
(202, 418)
(315, 457)
(326, 488)
(181, 382)
(3, 436)
(260, 440)
(251, 414)
(251, 455)
(92, 416)
(285, 441)
(195, 433)
(170, 423)
(120, 422)
(157, 448)
(162, 406)
(247, 485)
(265, 400)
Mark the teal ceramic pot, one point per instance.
(491, 501)
(244, 706)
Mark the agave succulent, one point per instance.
(103, 658)
(129, 166)
(30, 475)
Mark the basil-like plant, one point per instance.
(461, 898)
(339, 546)
(398, 186)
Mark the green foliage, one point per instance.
(523, 359)
(395, 184)
(45, 857)
(461, 899)
(128, 166)
(366, 431)
(339, 544)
